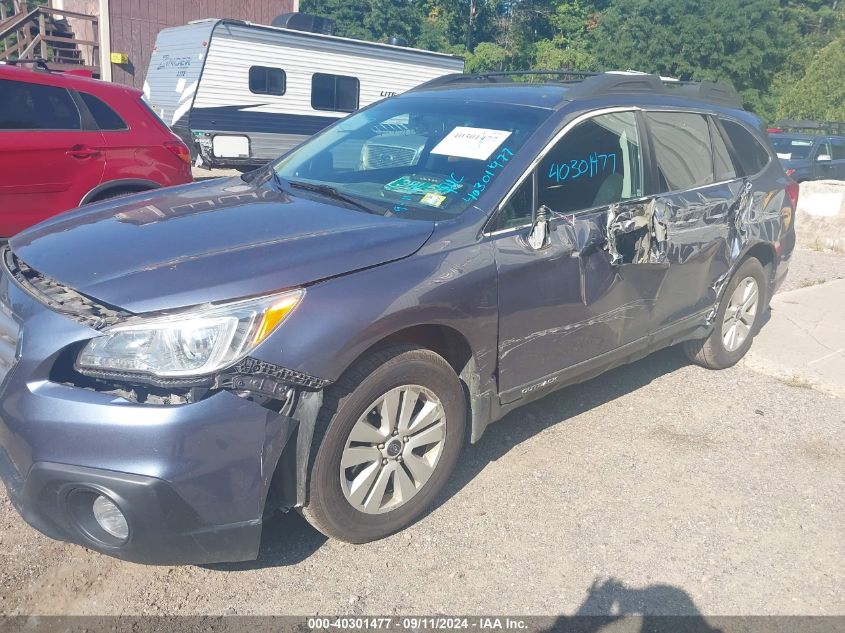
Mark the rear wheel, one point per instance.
(737, 320)
(394, 426)
(115, 193)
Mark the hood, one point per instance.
(212, 241)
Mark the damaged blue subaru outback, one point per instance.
(322, 334)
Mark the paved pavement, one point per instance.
(804, 340)
(659, 487)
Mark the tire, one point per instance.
(335, 506)
(719, 351)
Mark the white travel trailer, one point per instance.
(241, 94)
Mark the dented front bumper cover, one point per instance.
(194, 472)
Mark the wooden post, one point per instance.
(42, 32)
(3, 17)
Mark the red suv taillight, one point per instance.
(180, 150)
(792, 190)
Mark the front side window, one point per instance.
(337, 93)
(267, 81)
(414, 157)
(682, 150)
(518, 209)
(824, 150)
(28, 106)
(595, 164)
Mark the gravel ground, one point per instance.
(809, 268)
(659, 485)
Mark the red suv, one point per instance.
(67, 140)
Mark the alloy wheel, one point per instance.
(740, 314)
(393, 449)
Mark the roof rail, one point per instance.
(812, 127)
(39, 62)
(707, 91)
(503, 77)
(590, 84)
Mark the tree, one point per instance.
(744, 42)
(820, 94)
(762, 47)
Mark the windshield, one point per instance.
(414, 157)
(792, 148)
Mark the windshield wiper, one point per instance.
(281, 184)
(330, 192)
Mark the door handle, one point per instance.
(83, 151)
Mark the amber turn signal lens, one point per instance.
(274, 315)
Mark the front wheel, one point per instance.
(394, 426)
(737, 320)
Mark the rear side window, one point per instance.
(151, 110)
(682, 149)
(26, 106)
(752, 156)
(104, 116)
(337, 93)
(722, 163)
(267, 81)
(838, 149)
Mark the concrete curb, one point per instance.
(820, 218)
(803, 344)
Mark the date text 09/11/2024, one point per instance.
(417, 623)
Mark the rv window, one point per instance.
(334, 92)
(267, 81)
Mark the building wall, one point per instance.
(134, 24)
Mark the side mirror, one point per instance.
(823, 158)
(539, 236)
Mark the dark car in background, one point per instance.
(810, 157)
(67, 140)
(322, 334)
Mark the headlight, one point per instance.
(193, 342)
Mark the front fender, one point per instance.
(341, 318)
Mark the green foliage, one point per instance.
(820, 94)
(744, 42)
(763, 47)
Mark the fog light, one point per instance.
(110, 518)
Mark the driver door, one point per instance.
(568, 303)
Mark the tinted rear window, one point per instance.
(752, 156)
(104, 116)
(682, 149)
(792, 148)
(26, 106)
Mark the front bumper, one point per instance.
(192, 479)
(164, 529)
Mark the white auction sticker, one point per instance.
(471, 142)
